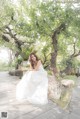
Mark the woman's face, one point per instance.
(33, 57)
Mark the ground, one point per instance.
(17, 110)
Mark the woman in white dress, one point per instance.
(33, 86)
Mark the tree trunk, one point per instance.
(55, 47)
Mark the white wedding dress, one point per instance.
(33, 87)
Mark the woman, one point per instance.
(34, 84)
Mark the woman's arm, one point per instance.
(30, 68)
(37, 66)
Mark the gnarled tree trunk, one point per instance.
(55, 47)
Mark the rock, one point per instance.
(54, 89)
(67, 83)
(16, 73)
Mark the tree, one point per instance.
(35, 21)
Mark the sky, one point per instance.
(4, 56)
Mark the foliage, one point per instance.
(34, 22)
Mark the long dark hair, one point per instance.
(31, 61)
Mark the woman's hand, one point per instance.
(37, 66)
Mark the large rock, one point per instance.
(16, 73)
(54, 89)
(60, 92)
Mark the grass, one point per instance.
(70, 77)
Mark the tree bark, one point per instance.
(55, 47)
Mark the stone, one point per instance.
(67, 83)
(54, 89)
(16, 73)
